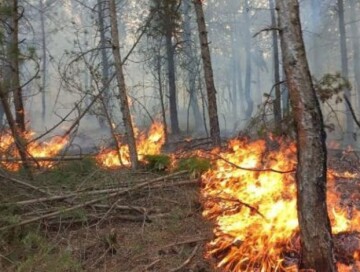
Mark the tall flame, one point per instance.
(255, 210)
(147, 144)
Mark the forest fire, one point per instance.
(35, 150)
(255, 210)
(149, 143)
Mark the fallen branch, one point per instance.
(91, 202)
(187, 261)
(50, 159)
(151, 265)
(238, 202)
(102, 191)
(251, 169)
(23, 183)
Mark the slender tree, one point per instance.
(248, 71)
(44, 60)
(14, 61)
(345, 71)
(314, 223)
(166, 25)
(277, 100)
(105, 67)
(190, 63)
(208, 72)
(355, 45)
(124, 104)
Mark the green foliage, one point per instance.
(194, 165)
(167, 18)
(331, 85)
(68, 173)
(39, 255)
(157, 162)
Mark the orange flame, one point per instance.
(35, 150)
(255, 211)
(147, 144)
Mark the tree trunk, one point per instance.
(208, 72)
(124, 104)
(13, 56)
(248, 72)
(161, 93)
(44, 61)
(277, 101)
(316, 39)
(104, 59)
(314, 223)
(172, 85)
(356, 46)
(191, 63)
(20, 142)
(349, 134)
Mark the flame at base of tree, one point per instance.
(149, 143)
(255, 211)
(48, 149)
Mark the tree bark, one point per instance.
(191, 63)
(13, 56)
(356, 45)
(104, 60)
(208, 72)
(124, 104)
(171, 78)
(161, 93)
(20, 142)
(277, 100)
(44, 61)
(248, 72)
(314, 223)
(349, 139)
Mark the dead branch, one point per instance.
(187, 261)
(91, 202)
(251, 169)
(50, 159)
(187, 241)
(351, 110)
(151, 265)
(23, 183)
(238, 202)
(266, 30)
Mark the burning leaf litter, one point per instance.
(256, 227)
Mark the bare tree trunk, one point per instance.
(172, 85)
(315, 229)
(14, 63)
(248, 72)
(44, 61)
(124, 104)
(316, 47)
(104, 59)
(349, 139)
(277, 101)
(161, 93)
(17, 135)
(208, 72)
(356, 46)
(190, 61)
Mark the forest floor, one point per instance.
(152, 222)
(90, 219)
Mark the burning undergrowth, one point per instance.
(147, 143)
(9, 154)
(250, 193)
